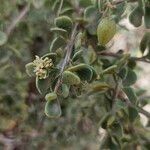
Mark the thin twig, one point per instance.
(110, 54)
(142, 111)
(122, 96)
(66, 60)
(116, 92)
(143, 59)
(69, 48)
(12, 26)
(125, 98)
(142, 98)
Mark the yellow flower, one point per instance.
(42, 66)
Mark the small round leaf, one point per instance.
(52, 109)
(64, 22)
(84, 71)
(51, 96)
(130, 78)
(70, 78)
(106, 31)
(136, 17)
(65, 90)
(30, 69)
(147, 16)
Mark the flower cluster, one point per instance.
(41, 66)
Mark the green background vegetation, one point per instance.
(28, 28)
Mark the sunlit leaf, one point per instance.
(106, 31)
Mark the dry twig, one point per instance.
(16, 20)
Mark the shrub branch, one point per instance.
(16, 20)
(110, 54)
(66, 60)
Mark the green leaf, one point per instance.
(106, 31)
(123, 61)
(103, 121)
(117, 129)
(120, 105)
(43, 85)
(55, 5)
(118, 11)
(147, 16)
(110, 70)
(89, 55)
(123, 73)
(84, 71)
(141, 4)
(122, 113)
(30, 69)
(66, 11)
(126, 138)
(65, 90)
(57, 43)
(110, 121)
(133, 114)
(59, 31)
(99, 87)
(91, 15)
(131, 63)
(114, 143)
(144, 42)
(81, 20)
(78, 41)
(135, 17)
(64, 22)
(131, 94)
(94, 76)
(51, 96)
(77, 55)
(3, 38)
(52, 109)
(51, 56)
(130, 78)
(85, 3)
(70, 78)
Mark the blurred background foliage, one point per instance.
(23, 124)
